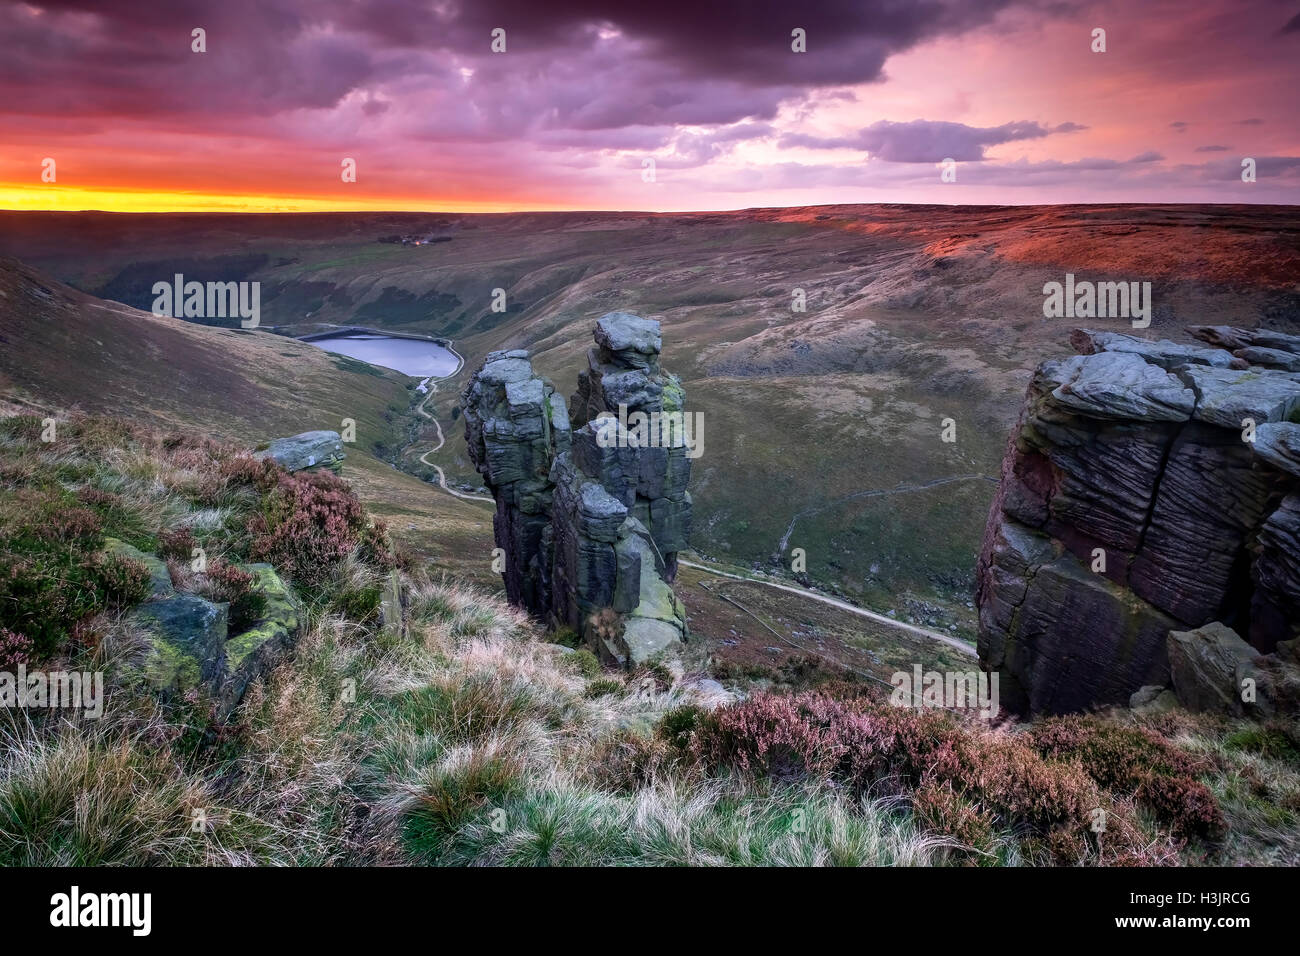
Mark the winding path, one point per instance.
(419, 410)
(842, 605)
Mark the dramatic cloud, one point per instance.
(928, 141)
(587, 91)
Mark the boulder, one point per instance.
(1270, 358)
(253, 652)
(1223, 336)
(1153, 699)
(1278, 443)
(1227, 397)
(1208, 665)
(186, 642)
(1164, 353)
(629, 340)
(319, 449)
(1120, 385)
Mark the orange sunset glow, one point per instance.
(255, 106)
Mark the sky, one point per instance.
(645, 104)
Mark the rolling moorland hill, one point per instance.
(474, 709)
(822, 427)
(60, 348)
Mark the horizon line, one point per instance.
(621, 212)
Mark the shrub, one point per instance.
(95, 498)
(584, 662)
(1136, 762)
(939, 807)
(565, 636)
(602, 686)
(42, 519)
(1275, 740)
(626, 760)
(23, 427)
(463, 784)
(357, 603)
(228, 582)
(15, 649)
(52, 574)
(123, 582)
(308, 524)
(178, 543)
(868, 745)
(678, 726)
(376, 549)
(261, 473)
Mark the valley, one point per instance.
(824, 426)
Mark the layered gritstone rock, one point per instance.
(186, 643)
(1148, 487)
(591, 511)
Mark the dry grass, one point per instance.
(471, 740)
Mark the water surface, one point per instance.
(415, 357)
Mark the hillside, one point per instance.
(62, 348)
(823, 428)
(458, 734)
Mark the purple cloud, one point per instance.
(928, 141)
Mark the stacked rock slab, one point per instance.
(1148, 488)
(590, 513)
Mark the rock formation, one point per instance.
(186, 639)
(320, 449)
(591, 511)
(1148, 488)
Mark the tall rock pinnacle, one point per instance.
(592, 508)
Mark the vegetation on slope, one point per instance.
(473, 739)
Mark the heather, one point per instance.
(177, 495)
(976, 785)
(475, 737)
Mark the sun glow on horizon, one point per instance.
(55, 198)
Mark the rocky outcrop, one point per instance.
(320, 449)
(1209, 666)
(186, 639)
(1149, 487)
(254, 651)
(591, 509)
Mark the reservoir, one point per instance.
(418, 358)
